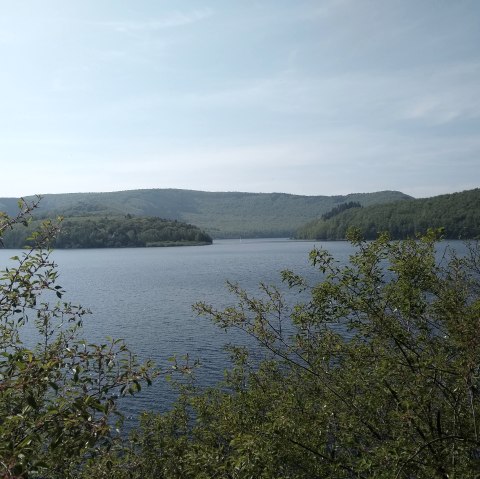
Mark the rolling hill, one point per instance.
(220, 214)
(458, 213)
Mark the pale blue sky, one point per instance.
(307, 97)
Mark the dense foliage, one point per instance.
(114, 232)
(457, 213)
(341, 207)
(376, 374)
(58, 393)
(220, 214)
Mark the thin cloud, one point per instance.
(172, 20)
(451, 94)
(328, 8)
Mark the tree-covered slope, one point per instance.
(458, 213)
(113, 232)
(221, 214)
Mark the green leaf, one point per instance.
(31, 401)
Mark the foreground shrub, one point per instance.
(375, 375)
(58, 393)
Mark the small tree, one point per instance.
(58, 397)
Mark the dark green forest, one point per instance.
(341, 207)
(112, 232)
(457, 213)
(220, 214)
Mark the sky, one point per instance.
(320, 97)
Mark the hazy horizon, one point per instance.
(221, 191)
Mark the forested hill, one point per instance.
(113, 232)
(458, 213)
(221, 214)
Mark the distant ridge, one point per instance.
(221, 214)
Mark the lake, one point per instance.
(145, 296)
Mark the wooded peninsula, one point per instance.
(113, 232)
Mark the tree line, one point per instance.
(341, 207)
(112, 232)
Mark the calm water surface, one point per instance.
(145, 296)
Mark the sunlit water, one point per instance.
(145, 296)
